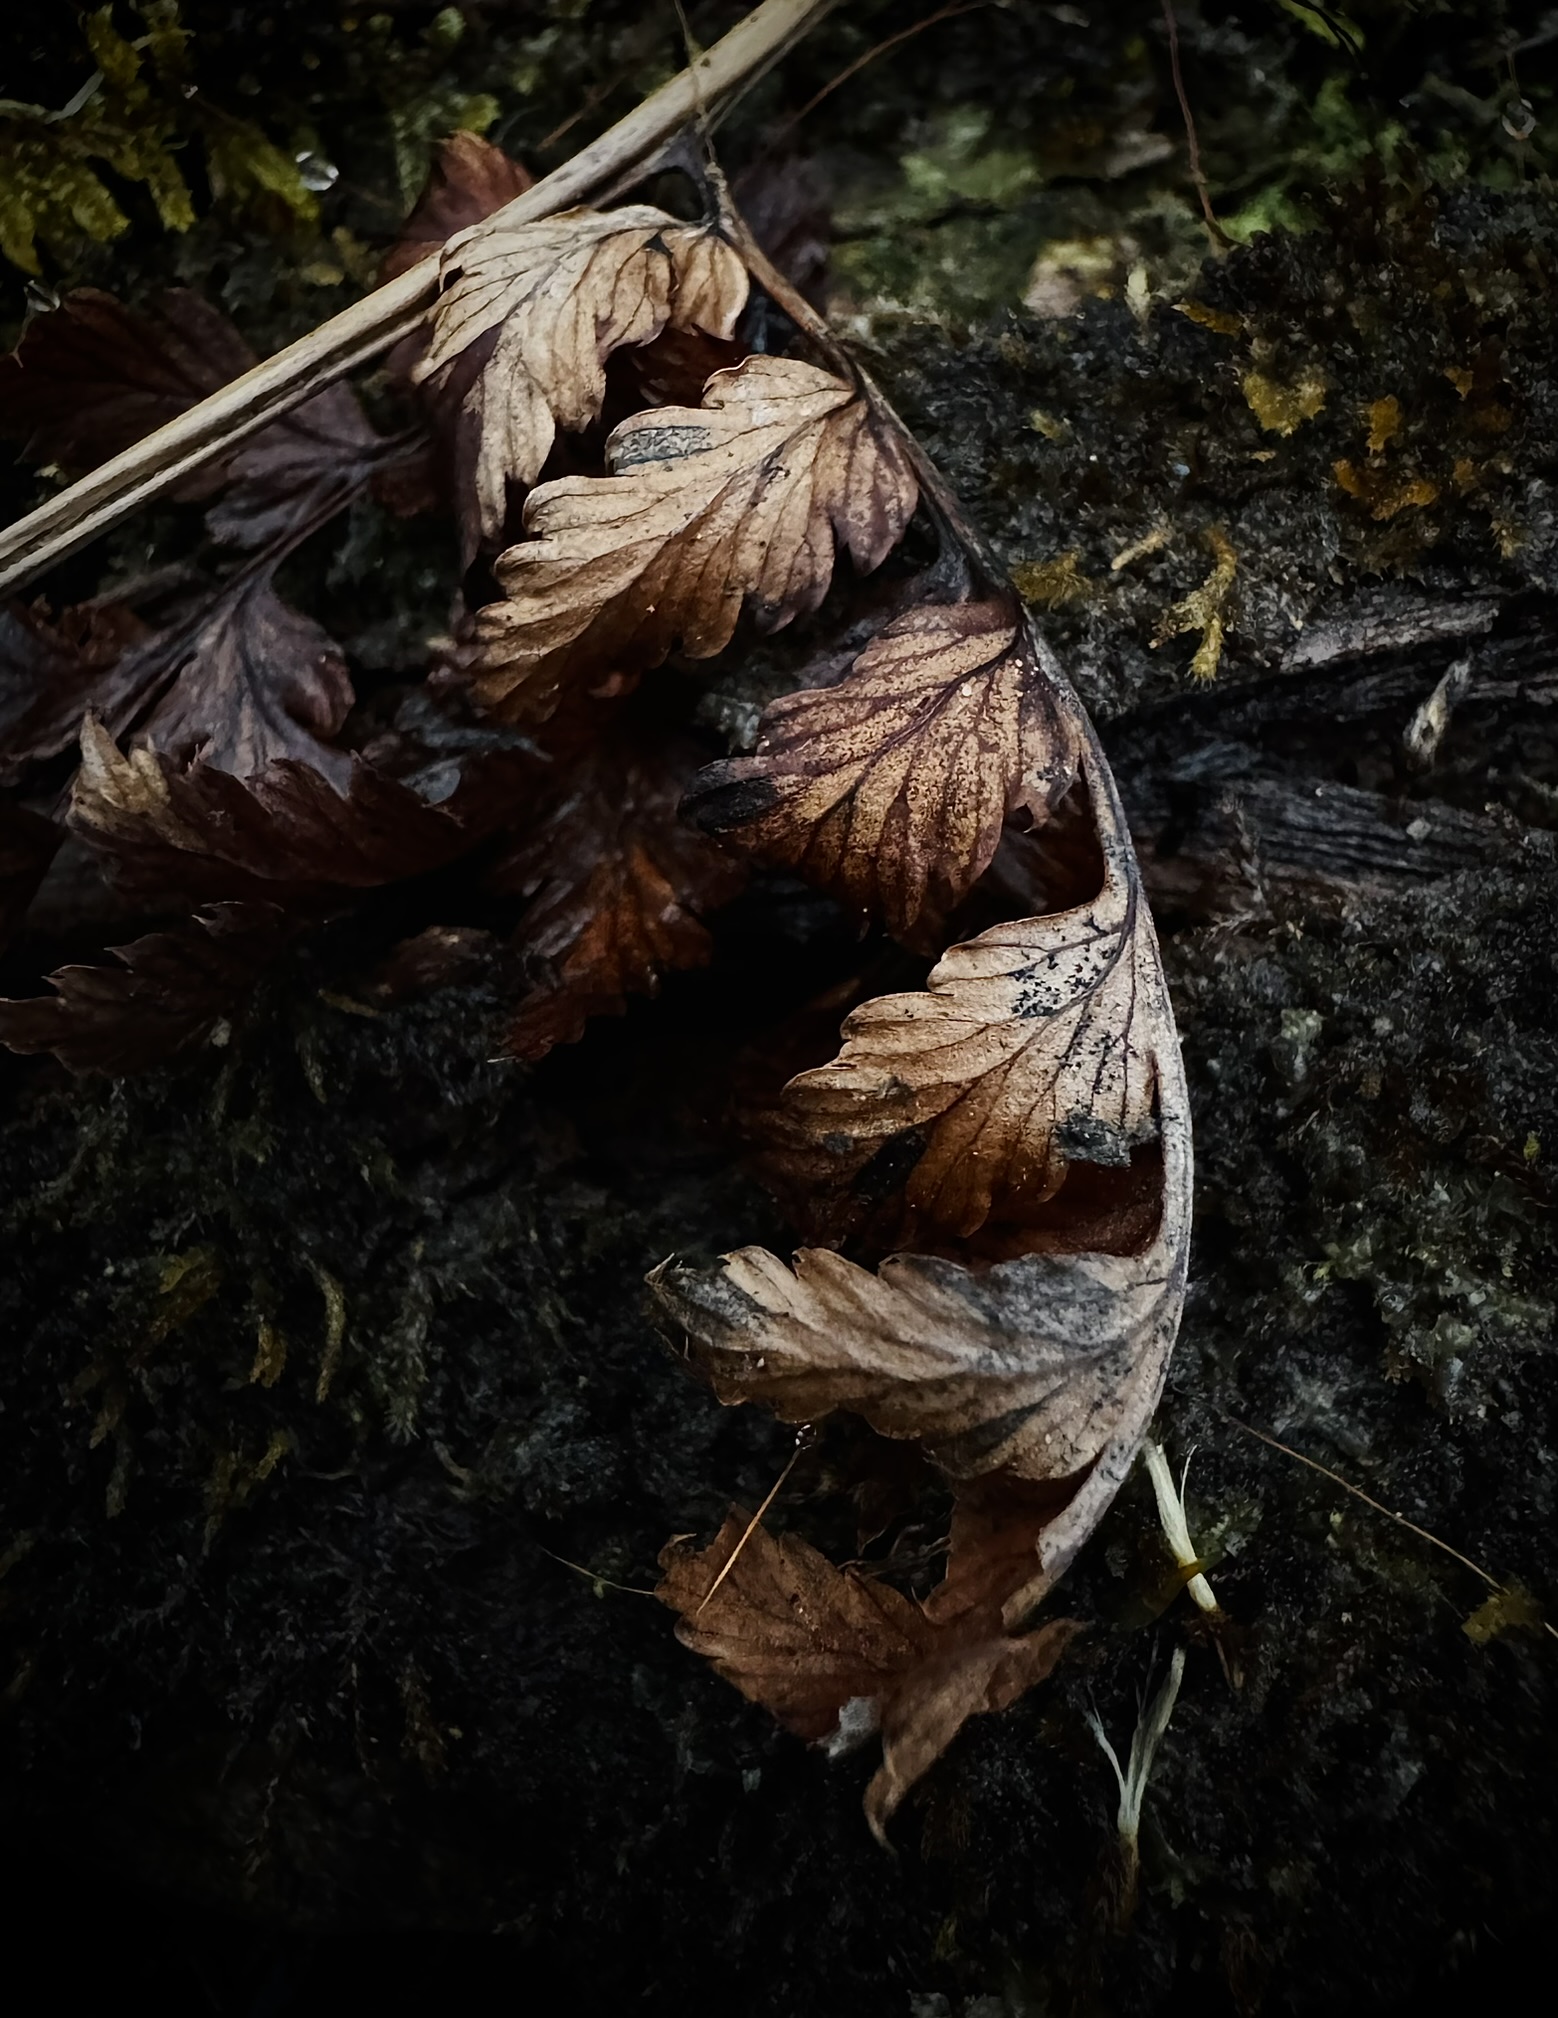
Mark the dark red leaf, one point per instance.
(618, 886)
(169, 992)
(52, 671)
(93, 376)
(302, 469)
(285, 834)
(234, 676)
(241, 680)
(674, 369)
(470, 179)
(444, 956)
(783, 200)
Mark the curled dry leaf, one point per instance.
(706, 510)
(890, 788)
(1032, 1046)
(169, 992)
(618, 886)
(1048, 1368)
(562, 293)
(836, 1656)
(1031, 1366)
(285, 834)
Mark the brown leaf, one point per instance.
(706, 509)
(93, 376)
(237, 678)
(968, 1677)
(618, 885)
(51, 672)
(992, 1553)
(1036, 1044)
(890, 788)
(835, 1655)
(789, 1629)
(470, 179)
(169, 993)
(232, 675)
(562, 293)
(285, 834)
(1033, 1366)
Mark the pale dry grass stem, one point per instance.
(1176, 1529)
(1133, 1777)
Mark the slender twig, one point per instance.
(1192, 144)
(594, 98)
(693, 49)
(1401, 1520)
(802, 1442)
(595, 1577)
(948, 13)
(363, 332)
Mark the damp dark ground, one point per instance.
(343, 1687)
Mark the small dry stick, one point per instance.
(595, 1577)
(1192, 144)
(802, 1442)
(206, 431)
(947, 13)
(1401, 1520)
(596, 97)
